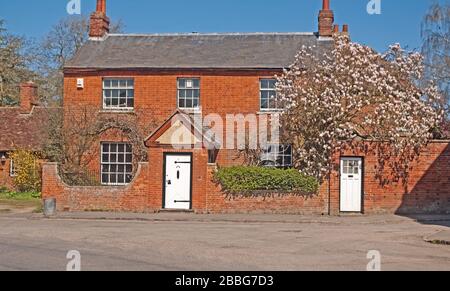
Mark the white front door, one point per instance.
(177, 181)
(351, 184)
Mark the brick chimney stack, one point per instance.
(99, 26)
(28, 97)
(326, 20)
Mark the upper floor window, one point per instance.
(188, 93)
(269, 95)
(276, 155)
(118, 94)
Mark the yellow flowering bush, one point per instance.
(27, 176)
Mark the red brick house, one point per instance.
(167, 80)
(23, 128)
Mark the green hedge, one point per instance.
(247, 179)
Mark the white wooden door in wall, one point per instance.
(178, 179)
(351, 184)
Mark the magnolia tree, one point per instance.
(354, 93)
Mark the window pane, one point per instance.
(129, 158)
(182, 94)
(130, 103)
(182, 83)
(196, 83)
(188, 103)
(123, 93)
(114, 83)
(114, 93)
(264, 84)
(123, 83)
(130, 83)
(105, 158)
(106, 83)
(130, 93)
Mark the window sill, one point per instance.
(118, 111)
(274, 111)
(191, 110)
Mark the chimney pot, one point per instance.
(336, 28)
(99, 24)
(345, 28)
(326, 20)
(28, 96)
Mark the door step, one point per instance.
(175, 211)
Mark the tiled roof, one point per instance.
(23, 131)
(196, 51)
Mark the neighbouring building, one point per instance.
(164, 80)
(22, 128)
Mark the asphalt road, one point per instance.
(332, 244)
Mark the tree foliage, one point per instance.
(14, 65)
(436, 49)
(58, 46)
(356, 93)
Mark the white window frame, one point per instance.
(117, 164)
(261, 90)
(191, 88)
(129, 86)
(275, 151)
(12, 169)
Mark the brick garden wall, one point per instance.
(427, 189)
(133, 197)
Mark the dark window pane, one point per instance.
(121, 178)
(272, 84)
(129, 158)
(113, 147)
(115, 83)
(105, 147)
(189, 103)
(130, 93)
(107, 83)
(115, 93)
(264, 104)
(105, 168)
(129, 168)
(113, 158)
(130, 103)
(121, 168)
(123, 93)
(107, 93)
(128, 178)
(196, 83)
(129, 148)
(113, 179)
(130, 83)
(115, 102)
(121, 148)
(121, 158)
(196, 93)
(181, 83)
(105, 179)
(123, 83)
(105, 158)
(181, 103)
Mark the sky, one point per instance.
(399, 21)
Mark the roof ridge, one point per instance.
(211, 34)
